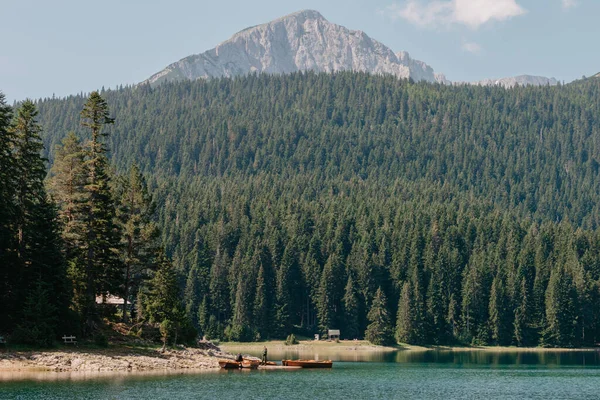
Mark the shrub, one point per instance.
(239, 333)
(290, 340)
(101, 340)
(188, 334)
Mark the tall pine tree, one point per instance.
(379, 331)
(103, 267)
(8, 274)
(139, 240)
(39, 258)
(350, 327)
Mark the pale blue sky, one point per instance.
(64, 47)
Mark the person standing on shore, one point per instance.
(264, 357)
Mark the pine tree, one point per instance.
(240, 330)
(197, 282)
(286, 290)
(30, 176)
(453, 317)
(419, 326)
(560, 309)
(351, 310)
(261, 305)
(312, 271)
(499, 315)
(39, 321)
(475, 300)
(203, 317)
(220, 305)
(139, 240)
(38, 240)
(436, 309)
(191, 294)
(405, 318)
(9, 275)
(329, 294)
(379, 331)
(103, 268)
(522, 318)
(66, 186)
(163, 304)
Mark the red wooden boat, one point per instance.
(256, 361)
(308, 363)
(252, 364)
(229, 364)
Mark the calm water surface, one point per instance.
(396, 375)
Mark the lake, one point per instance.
(387, 375)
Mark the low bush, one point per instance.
(291, 340)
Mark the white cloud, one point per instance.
(472, 13)
(569, 4)
(471, 47)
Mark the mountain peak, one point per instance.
(301, 41)
(299, 17)
(304, 14)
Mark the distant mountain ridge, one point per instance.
(301, 41)
(521, 80)
(306, 41)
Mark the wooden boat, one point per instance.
(252, 364)
(308, 363)
(229, 364)
(260, 363)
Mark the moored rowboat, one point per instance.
(229, 364)
(308, 363)
(253, 364)
(256, 361)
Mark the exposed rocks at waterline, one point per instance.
(117, 359)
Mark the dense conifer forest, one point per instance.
(392, 210)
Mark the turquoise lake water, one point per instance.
(401, 375)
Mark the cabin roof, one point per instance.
(110, 299)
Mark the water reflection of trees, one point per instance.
(499, 358)
(488, 358)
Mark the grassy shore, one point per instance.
(354, 345)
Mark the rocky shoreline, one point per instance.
(111, 359)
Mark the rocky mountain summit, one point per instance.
(521, 80)
(301, 41)
(306, 41)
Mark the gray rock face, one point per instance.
(301, 41)
(522, 80)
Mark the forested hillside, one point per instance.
(287, 202)
(69, 240)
